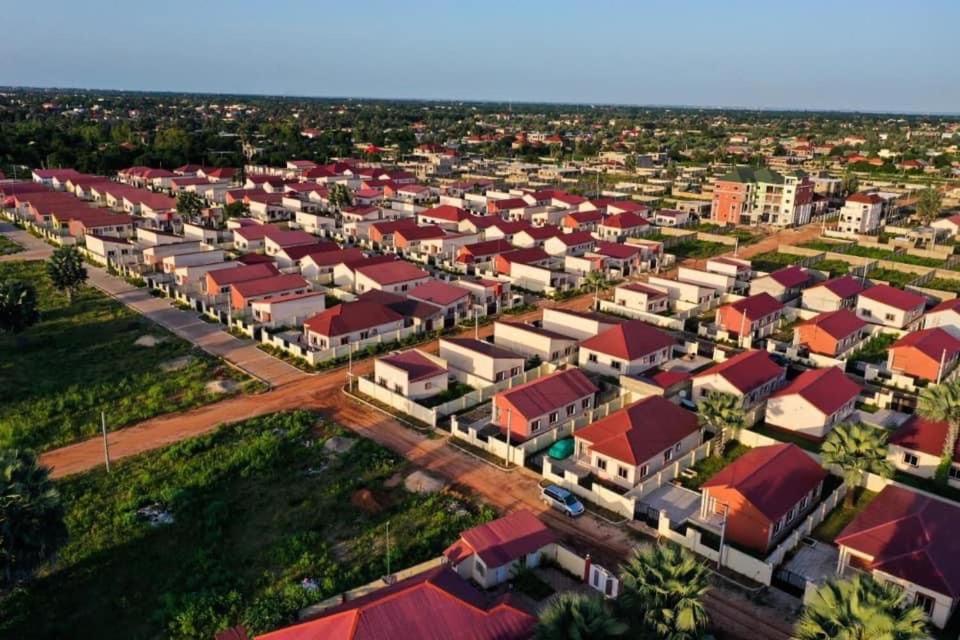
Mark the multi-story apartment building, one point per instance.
(753, 196)
(861, 213)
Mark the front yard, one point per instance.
(709, 466)
(257, 520)
(84, 358)
(840, 517)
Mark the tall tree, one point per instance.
(860, 609)
(857, 449)
(576, 616)
(661, 592)
(941, 403)
(31, 516)
(850, 183)
(928, 205)
(236, 209)
(189, 205)
(723, 412)
(66, 270)
(596, 280)
(18, 306)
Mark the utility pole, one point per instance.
(723, 531)
(349, 367)
(508, 438)
(476, 324)
(106, 446)
(388, 549)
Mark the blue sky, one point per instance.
(841, 54)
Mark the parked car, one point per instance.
(559, 498)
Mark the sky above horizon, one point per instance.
(882, 55)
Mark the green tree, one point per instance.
(851, 183)
(575, 616)
(340, 196)
(928, 205)
(31, 516)
(661, 592)
(66, 270)
(724, 413)
(595, 280)
(856, 449)
(860, 609)
(941, 403)
(18, 306)
(236, 209)
(189, 205)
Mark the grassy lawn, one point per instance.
(787, 436)
(8, 246)
(773, 260)
(698, 249)
(840, 517)
(833, 267)
(875, 349)
(709, 466)
(824, 245)
(894, 277)
(57, 376)
(942, 284)
(258, 508)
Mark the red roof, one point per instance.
(757, 306)
(842, 287)
(542, 233)
(616, 250)
(272, 284)
(575, 238)
(865, 198)
(925, 436)
(416, 365)
(350, 317)
(434, 605)
(549, 393)
(327, 258)
(445, 212)
(791, 277)
(947, 305)
(838, 324)
(640, 431)
(437, 292)
(626, 220)
(425, 232)
(826, 389)
(910, 536)
(224, 277)
(392, 272)
(933, 343)
(893, 297)
(291, 237)
(503, 540)
(639, 287)
(525, 256)
(772, 478)
(629, 341)
(746, 371)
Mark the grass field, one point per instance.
(698, 249)
(841, 516)
(57, 376)
(8, 246)
(258, 508)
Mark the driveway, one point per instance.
(33, 248)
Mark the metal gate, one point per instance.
(604, 581)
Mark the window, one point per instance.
(888, 317)
(667, 454)
(925, 602)
(910, 459)
(644, 470)
(954, 473)
(601, 464)
(428, 385)
(592, 357)
(481, 570)
(515, 371)
(554, 416)
(500, 376)
(535, 425)
(622, 471)
(615, 364)
(776, 527)
(586, 403)
(571, 409)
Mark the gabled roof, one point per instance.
(947, 305)
(842, 287)
(925, 436)
(910, 536)
(392, 272)
(271, 284)
(617, 250)
(426, 232)
(503, 540)
(224, 277)
(772, 478)
(826, 389)
(640, 431)
(549, 393)
(757, 306)
(625, 220)
(935, 343)
(416, 365)
(746, 371)
(790, 277)
(483, 347)
(437, 292)
(576, 238)
(525, 256)
(324, 258)
(630, 340)
(350, 317)
(893, 297)
(837, 324)
(865, 198)
(542, 233)
(445, 212)
(639, 287)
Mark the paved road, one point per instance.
(33, 248)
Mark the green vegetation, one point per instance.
(942, 284)
(9, 247)
(874, 350)
(773, 260)
(825, 245)
(265, 520)
(525, 581)
(709, 466)
(857, 450)
(697, 249)
(56, 376)
(941, 403)
(895, 278)
(744, 236)
(578, 616)
(454, 390)
(784, 435)
(841, 516)
(724, 413)
(875, 253)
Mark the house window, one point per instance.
(586, 403)
(601, 464)
(644, 470)
(910, 459)
(481, 570)
(777, 526)
(889, 317)
(615, 364)
(954, 473)
(622, 471)
(535, 425)
(571, 409)
(925, 602)
(515, 371)
(554, 416)
(592, 357)
(500, 376)
(428, 385)
(667, 454)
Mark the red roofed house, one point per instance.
(218, 282)
(814, 402)
(917, 448)
(783, 284)
(832, 295)
(629, 349)
(394, 276)
(444, 215)
(640, 439)
(582, 221)
(930, 354)
(891, 307)
(533, 408)
(762, 493)
(751, 376)
(454, 300)
(756, 316)
(433, 605)
(621, 226)
(945, 315)
(242, 294)
(489, 554)
(288, 310)
(351, 322)
(830, 334)
(572, 244)
(413, 374)
(908, 539)
(408, 239)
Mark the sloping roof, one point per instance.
(392, 272)
(271, 284)
(865, 198)
(426, 232)
(438, 292)
(629, 340)
(483, 347)
(757, 306)
(893, 297)
(616, 250)
(575, 238)
(772, 478)
(540, 331)
(350, 317)
(640, 431)
(838, 324)
(792, 276)
(925, 436)
(639, 287)
(503, 540)
(826, 389)
(910, 536)
(934, 343)
(842, 287)
(224, 277)
(434, 605)
(746, 371)
(749, 174)
(947, 305)
(525, 256)
(327, 258)
(445, 212)
(549, 393)
(416, 365)
(625, 220)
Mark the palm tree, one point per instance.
(860, 609)
(928, 205)
(18, 306)
(31, 517)
(723, 412)
(575, 616)
(662, 589)
(595, 280)
(66, 270)
(941, 403)
(856, 449)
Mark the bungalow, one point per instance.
(572, 244)
(470, 358)
(751, 376)
(396, 276)
(360, 214)
(685, 291)
(617, 228)
(413, 374)
(313, 222)
(641, 297)
(218, 282)
(754, 317)
(446, 216)
(483, 253)
(407, 240)
(112, 250)
(101, 224)
(906, 539)
(622, 260)
(506, 230)
(454, 300)
(738, 269)
(488, 296)
(578, 324)
(319, 265)
(491, 553)
(636, 441)
(618, 207)
(531, 341)
(345, 272)
(832, 295)
(351, 322)
(830, 334)
(917, 446)
(242, 294)
(815, 402)
(626, 349)
(278, 239)
(891, 307)
(422, 316)
(533, 408)
(381, 233)
(949, 226)
(252, 237)
(929, 354)
(783, 284)
(204, 255)
(671, 218)
(581, 221)
(945, 315)
(761, 494)
(534, 237)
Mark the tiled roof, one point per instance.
(392, 272)
(746, 371)
(437, 292)
(629, 341)
(893, 297)
(272, 284)
(549, 393)
(925, 436)
(838, 324)
(826, 389)
(224, 277)
(842, 287)
(503, 540)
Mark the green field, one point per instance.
(257, 508)
(698, 249)
(8, 246)
(57, 376)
